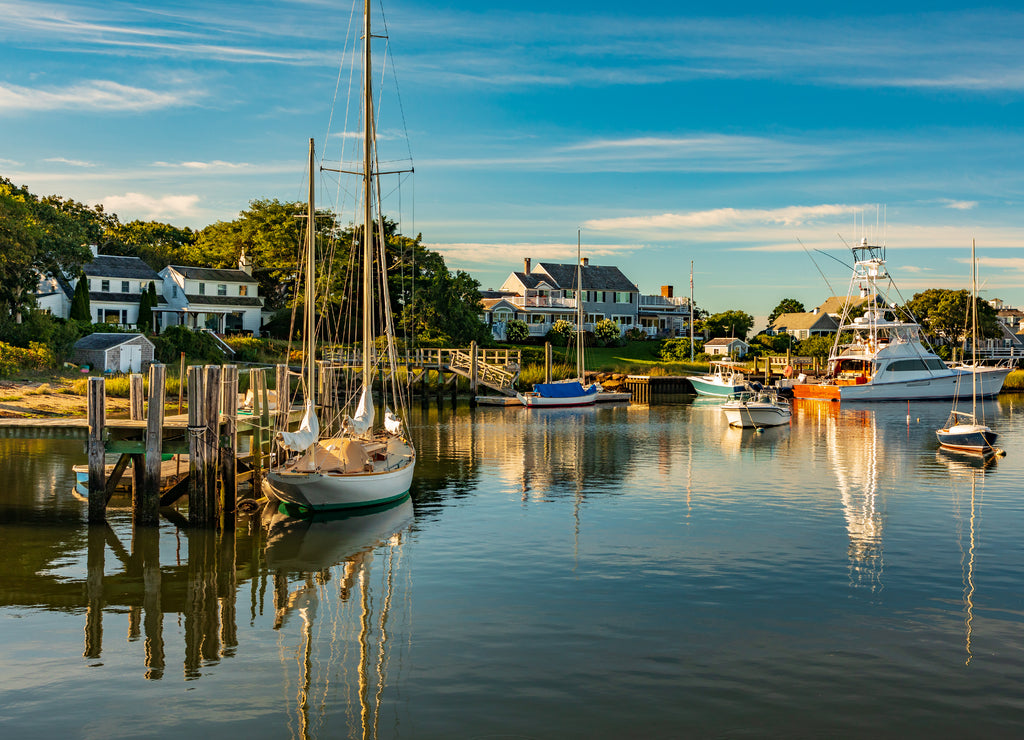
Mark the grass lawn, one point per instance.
(638, 358)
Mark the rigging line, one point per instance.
(827, 284)
(398, 90)
(337, 83)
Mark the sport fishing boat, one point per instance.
(724, 379)
(881, 355)
(757, 408)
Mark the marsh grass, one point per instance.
(1014, 381)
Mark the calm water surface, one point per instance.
(610, 572)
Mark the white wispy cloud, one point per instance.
(484, 253)
(959, 205)
(72, 162)
(94, 95)
(148, 207)
(669, 224)
(215, 165)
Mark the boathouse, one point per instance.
(115, 353)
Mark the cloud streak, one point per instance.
(92, 95)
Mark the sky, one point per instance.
(756, 144)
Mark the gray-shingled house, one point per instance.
(115, 353)
(223, 300)
(804, 325)
(545, 292)
(116, 285)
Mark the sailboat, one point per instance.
(570, 392)
(962, 430)
(355, 463)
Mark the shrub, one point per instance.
(636, 335)
(197, 345)
(560, 333)
(516, 331)
(607, 331)
(678, 349)
(20, 359)
(247, 349)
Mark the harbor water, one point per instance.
(605, 572)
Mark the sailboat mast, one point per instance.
(367, 199)
(579, 306)
(974, 333)
(310, 319)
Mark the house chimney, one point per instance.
(526, 265)
(586, 261)
(244, 265)
(816, 309)
(95, 250)
(666, 291)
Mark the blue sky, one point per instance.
(737, 138)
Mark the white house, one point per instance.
(727, 346)
(222, 300)
(116, 285)
(665, 315)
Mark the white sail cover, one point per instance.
(363, 420)
(392, 423)
(307, 434)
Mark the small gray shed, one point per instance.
(117, 353)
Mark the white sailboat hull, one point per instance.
(321, 491)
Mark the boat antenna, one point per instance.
(827, 284)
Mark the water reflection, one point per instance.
(338, 550)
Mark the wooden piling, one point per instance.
(547, 362)
(473, 369)
(229, 446)
(212, 375)
(196, 446)
(146, 502)
(283, 392)
(97, 404)
(136, 395)
(256, 383)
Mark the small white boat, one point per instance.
(757, 408)
(963, 431)
(724, 379)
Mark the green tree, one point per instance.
(728, 324)
(145, 320)
(786, 305)
(945, 316)
(561, 332)
(818, 346)
(37, 237)
(80, 308)
(157, 244)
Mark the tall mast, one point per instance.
(974, 334)
(691, 310)
(579, 307)
(310, 319)
(367, 199)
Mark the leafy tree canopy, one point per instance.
(157, 244)
(728, 324)
(786, 305)
(945, 315)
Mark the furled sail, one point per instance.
(392, 423)
(363, 420)
(307, 434)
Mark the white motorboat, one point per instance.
(881, 356)
(724, 379)
(757, 408)
(356, 463)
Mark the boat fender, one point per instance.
(788, 372)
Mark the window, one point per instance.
(202, 288)
(222, 289)
(243, 290)
(624, 297)
(105, 286)
(125, 286)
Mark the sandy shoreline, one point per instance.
(45, 399)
